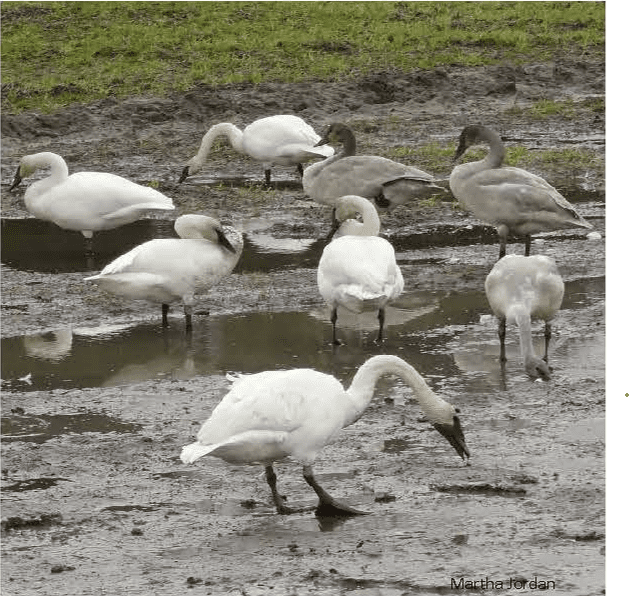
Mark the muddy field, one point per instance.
(98, 399)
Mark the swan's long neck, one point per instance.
(361, 389)
(521, 316)
(496, 155)
(349, 145)
(233, 133)
(371, 224)
(58, 174)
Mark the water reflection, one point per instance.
(442, 335)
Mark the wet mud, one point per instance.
(98, 398)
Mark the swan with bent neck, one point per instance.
(358, 269)
(86, 202)
(282, 139)
(521, 289)
(272, 415)
(167, 270)
(388, 183)
(513, 200)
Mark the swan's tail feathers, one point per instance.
(191, 453)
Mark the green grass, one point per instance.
(54, 53)
(434, 157)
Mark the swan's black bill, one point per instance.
(454, 434)
(16, 180)
(184, 175)
(223, 241)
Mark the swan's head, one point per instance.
(537, 368)
(338, 132)
(452, 431)
(192, 167)
(471, 135)
(355, 215)
(26, 168)
(202, 227)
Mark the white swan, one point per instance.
(85, 201)
(284, 139)
(513, 200)
(358, 269)
(386, 182)
(167, 270)
(520, 289)
(275, 414)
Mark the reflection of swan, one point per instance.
(166, 270)
(385, 181)
(85, 201)
(520, 289)
(358, 270)
(284, 139)
(268, 243)
(50, 345)
(275, 414)
(513, 200)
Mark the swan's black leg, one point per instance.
(165, 315)
(502, 323)
(528, 244)
(278, 499)
(328, 505)
(381, 323)
(333, 320)
(547, 340)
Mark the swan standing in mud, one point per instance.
(87, 202)
(272, 415)
(519, 290)
(358, 269)
(386, 182)
(284, 140)
(513, 200)
(167, 270)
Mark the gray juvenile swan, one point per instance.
(282, 139)
(520, 289)
(272, 415)
(358, 269)
(167, 270)
(386, 182)
(513, 200)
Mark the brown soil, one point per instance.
(111, 509)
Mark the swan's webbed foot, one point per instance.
(336, 508)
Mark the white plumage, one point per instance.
(358, 270)
(521, 289)
(386, 182)
(513, 200)
(167, 270)
(276, 414)
(85, 201)
(283, 139)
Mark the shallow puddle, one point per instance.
(438, 332)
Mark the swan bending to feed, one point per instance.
(272, 415)
(386, 182)
(513, 200)
(86, 202)
(285, 140)
(167, 270)
(358, 269)
(519, 290)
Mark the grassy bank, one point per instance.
(55, 53)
